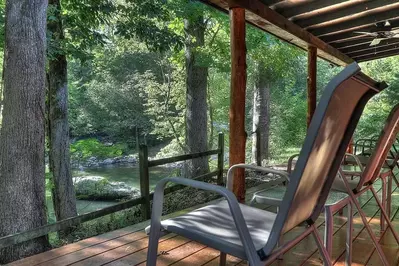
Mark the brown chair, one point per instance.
(252, 234)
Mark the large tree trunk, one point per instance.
(196, 99)
(63, 192)
(22, 180)
(261, 116)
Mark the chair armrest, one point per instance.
(357, 160)
(229, 183)
(234, 207)
(289, 165)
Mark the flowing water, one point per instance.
(114, 173)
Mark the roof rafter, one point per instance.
(357, 23)
(394, 47)
(270, 2)
(261, 10)
(366, 46)
(305, 8)
(378, 56)
(341, 13)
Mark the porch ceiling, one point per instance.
(330, 26)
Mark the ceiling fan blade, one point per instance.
(377, 41)
(373, 34)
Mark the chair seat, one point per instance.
(365, 159)
(339, 185)
(275, 195)
(213, 226)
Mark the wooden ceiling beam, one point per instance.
(266, 13)
(339, 37)
(341, 13)
(352, 43)
(377, 56)
(271, 2)
(346, 36)
(308, 7)
(357, 23)
(378, 50)
(366, 46)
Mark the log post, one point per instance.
(237, 98)
(312, 77)
(144, 181)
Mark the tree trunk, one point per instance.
(261, 116)
(22, 180)
(63, 191)
(196, 99)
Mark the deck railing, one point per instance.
(144, 199)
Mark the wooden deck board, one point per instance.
(128, 246)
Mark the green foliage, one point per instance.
(86, 148)
(85, 25)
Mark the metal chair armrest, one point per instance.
(289, 165)
(229, 183)
(357, 160)
(235, 210)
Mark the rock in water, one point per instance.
(99, 188)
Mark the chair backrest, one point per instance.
(328, 136)
(381, 150)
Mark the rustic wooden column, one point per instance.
(312, 77)
(237, 98)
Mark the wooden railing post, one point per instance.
(220, 159)
(144, 181)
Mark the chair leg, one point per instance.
(222, 261)
(366, 225)
(383, 201)
(349, 228)
(328, 230)
(389, 196)
(371, 233)
(385, 215)
(322, 249)
(152, 254)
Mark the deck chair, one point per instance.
(391, 162)
(252, 234)
(372, 172)
(340, 196)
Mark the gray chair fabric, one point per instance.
(213, 226)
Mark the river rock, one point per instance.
(108, 161)
(99, 188)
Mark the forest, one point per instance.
(110, 75)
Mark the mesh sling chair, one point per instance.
(252, 234)
(386, 171)
(344, 191)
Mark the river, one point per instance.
(114, 173)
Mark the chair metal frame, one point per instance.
(349, 90)
(368, 176)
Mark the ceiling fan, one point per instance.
(383, 31)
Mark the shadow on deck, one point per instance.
(128, 246)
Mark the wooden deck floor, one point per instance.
(128, 246)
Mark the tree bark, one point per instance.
(196, 96)
(261, 116)
(22, 180)
(63, 192)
